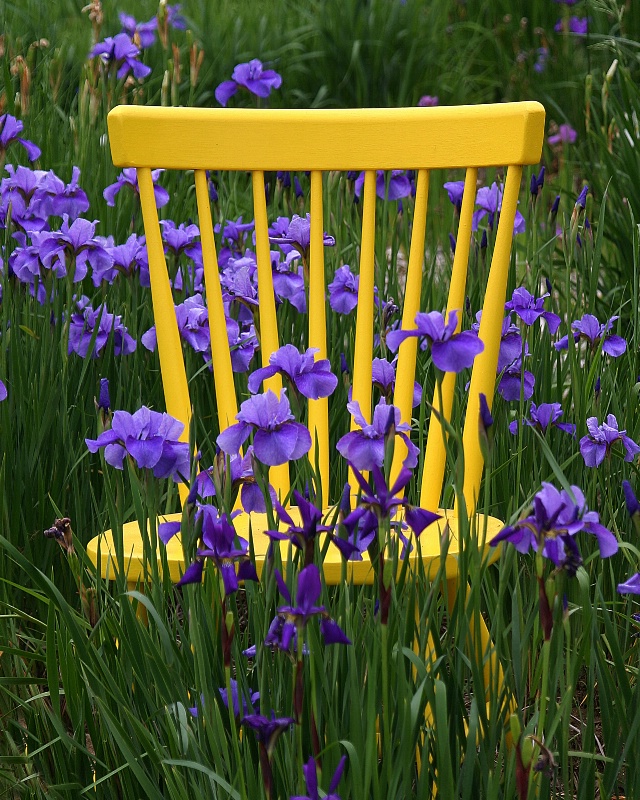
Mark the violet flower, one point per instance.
(398, 186)
(516, 379)
(565, 134)
(3, 391)
(288, 284)
(54, 197)
(343, 290)
(82, 329)
(529, 308)
(311, 779)
(309, 588)
(150, 438)
(251, 76)
(601, 439)
(365, 448)
(450, 351)
(511, 343)
(241, 475)
(383, 376)
(428, 101)
(298, 236)
(222, 546)
(10, 127)
(121, 52)
(590, 329)
(551, 528)
(631, 585)
(577, 25)
(489, 199)
(129, 177)
(268, 729)
(127, 258)
(312, 379)
(142, 34)
(236, 698)
(301, 536)
(277, 439)
(455, 190)
(543, 417)
(77, 243)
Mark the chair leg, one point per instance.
(141, 610)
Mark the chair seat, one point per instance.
(358, 571)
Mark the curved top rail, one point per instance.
(322, 139)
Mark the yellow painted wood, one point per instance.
(268, 325)
(318, 419)
(435, 452)
(176, 390)
(406, 366)
(327, 139)
(220, 353)
(483, 378)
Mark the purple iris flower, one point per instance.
(630, 586)
(3, 391)
(450, 351)
(241, 475)
(142, 34)
(123, 53)
(268, 729)
(565, 134)
(313, 379)
(20, 199)
(311, 779)
(543, 417)
(251, 76)
(577, 25)
(104, 401)
(10, 127)
(243, 344)
(515, 378)
(235, 700)
(127, 258)
(551, 528)
(343, 290)
(150, 438)
(510, 341)
(361, 526)
(581, 201)
(541, 59)
(428, 101)
(489, 200)
(630, 499)
(83, 326)
(383, 376)
(234, 234)
(193, 324)
(455, 190)
(240, 281)
(365, 448)
(76, 242)
(590, 329)
(129, 177)
(181, 239)
(298, 616)
(298, 236)
(301, 536)
(278, 438)
(288, 284)
(530, 308)
(601, 438)
(399, 185)
(222, 546)
(54, 197)
(26, 264)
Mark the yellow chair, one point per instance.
(507, 136)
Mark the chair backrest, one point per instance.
(507, 136)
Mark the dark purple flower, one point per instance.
(450, 351)
(221, 545)
(581, 201)
(551, 529)
(235, 700)
(590, 329)
(343, 290)
(455, 190)
(297, 617)
(120, 51)
(104, 401)
(365, 448)
(10, 127)
(268, 729)
(543, 417)
(129, 177)
(537, 182)
(577, 25)
(142, 34)
(529, 308)
(601, 438)
(398, 186)
(278, 438)
(631, 501)
(82, 330)
(361, 527)
(301, 536)
(311, 779)
(313, 379)
(251, 76)
(150, 438)
(489, 200)
(565, 134)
